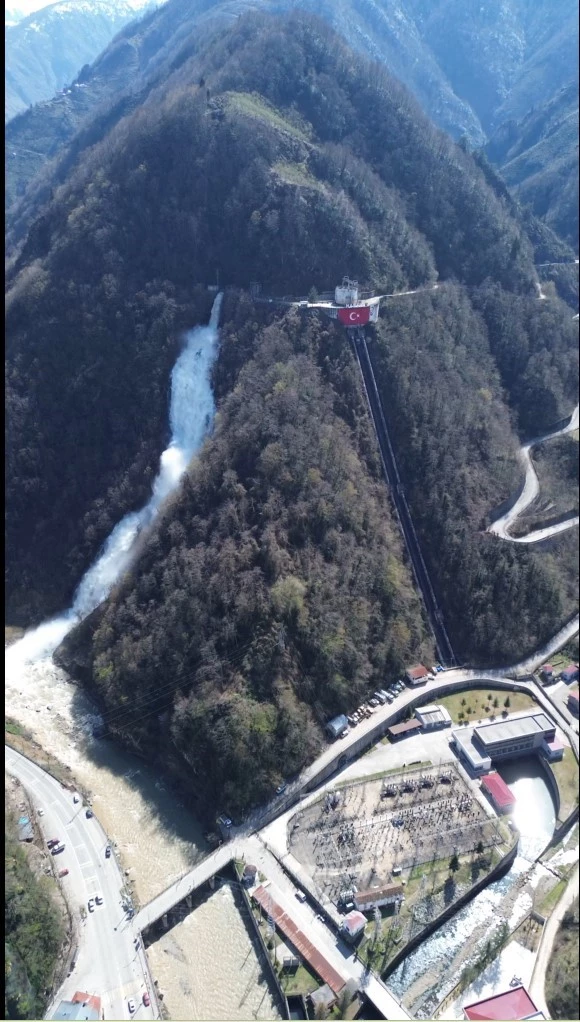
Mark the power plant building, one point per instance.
(517, 736)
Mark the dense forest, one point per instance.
(443, 399)
(274, 590)
(33, 933)
(272, 594)
(332, 167)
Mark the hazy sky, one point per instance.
(28, 6)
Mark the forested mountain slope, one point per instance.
(471, 66)
(274, 587)
(538, 159)
(46, 50)
(272, 593)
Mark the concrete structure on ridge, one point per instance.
(351, 306)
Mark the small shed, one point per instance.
(573, 702)
(353, 925)
(417, 674)
(408, 727)
(433, 717)
(501, 797)
(337, 725)
(570, 673)
(25, 831)
(547, 672)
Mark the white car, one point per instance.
(41, 812)
(131, 1005)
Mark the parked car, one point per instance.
(146, 999)
(390, 698)
(41, 812)
(56, 849)
(91, 905)
(53, 841)
(89, 813)
(300, 895)
(76, 799)
(131, 1006)
(281, 788)
(438, 668)
(63, 873)
(373, 702)
(98, 899)
(108, 852)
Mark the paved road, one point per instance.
(529, 493)
(549, 932)
(107, 963)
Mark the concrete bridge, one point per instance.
(333, 950)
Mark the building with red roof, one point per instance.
(501, 797)
(513, 1004)
(573, 702)
(417, 674)
(353, 925)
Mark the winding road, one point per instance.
(502, 526)
(106, 961)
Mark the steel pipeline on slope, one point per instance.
(400, 501)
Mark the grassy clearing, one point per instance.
(296, 174)
(303, 981)
(478, 704)
(551, 899)
(253, 105)
(566, 774)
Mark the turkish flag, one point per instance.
(355, 316)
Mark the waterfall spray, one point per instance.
(191, 413)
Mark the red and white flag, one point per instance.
(354, 316)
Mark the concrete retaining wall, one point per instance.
(266, 953)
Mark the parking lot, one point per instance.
(357, 834)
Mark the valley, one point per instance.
(271, 537)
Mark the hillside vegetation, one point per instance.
(274, 590)
(562, 972)
(186, 186)
(33, 932)
(272, 594)
(442, 396)
(538, 159)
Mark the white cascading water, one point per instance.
(191, 413)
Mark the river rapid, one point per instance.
(429, 973)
